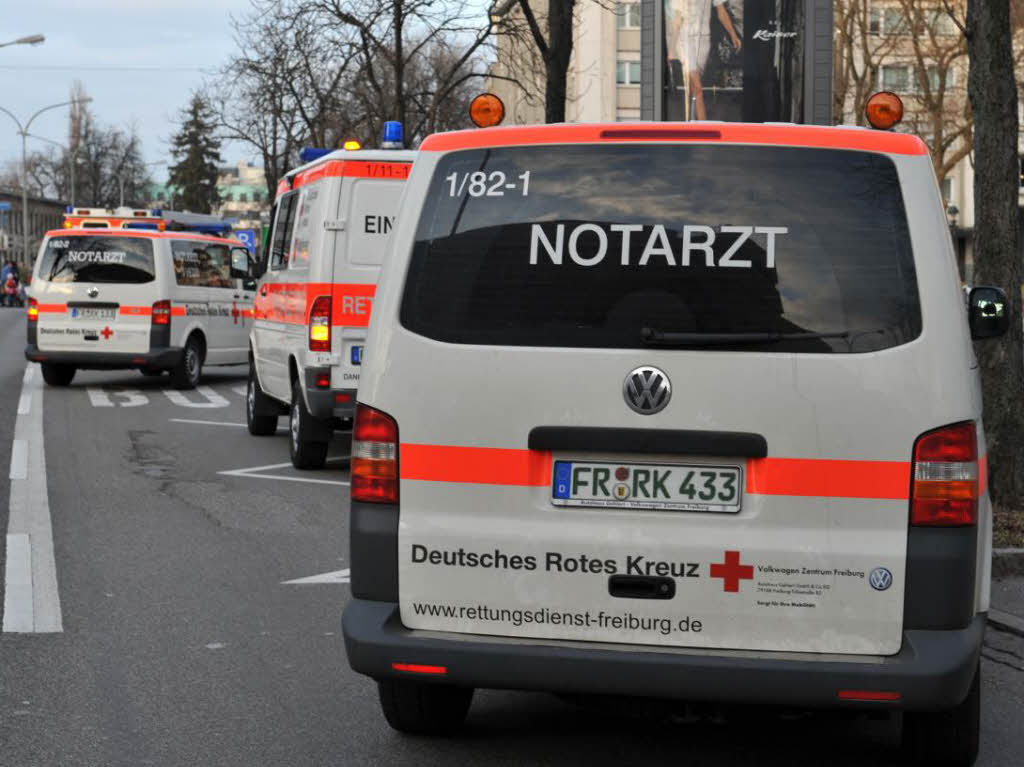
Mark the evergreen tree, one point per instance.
(196, 151)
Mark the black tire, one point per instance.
(57, 374)
(151, 373)
(260, 410)
(188, 371)
(305, 453)
(423, 709)
(945, 738)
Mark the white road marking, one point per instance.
(213, 399)
(31, 597)
(133, 397)
(98, 397)
(338, 576)
(243, 389)
(30, 370)
(25, 404)
(18, 584)
(255, 472)
(19, 459)
(207, 423)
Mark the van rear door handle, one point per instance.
(238, 295)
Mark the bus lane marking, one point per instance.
(31, 596)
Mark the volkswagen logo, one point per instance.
(880, 579)
(92, 292)
(647, 390)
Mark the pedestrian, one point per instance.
(11, 290)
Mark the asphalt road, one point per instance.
(181, 644)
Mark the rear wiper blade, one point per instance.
(655, 337)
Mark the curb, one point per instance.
(1006, 622)
(1007, 562)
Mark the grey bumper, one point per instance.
(329, 402)
(157, 358)
(932, 671)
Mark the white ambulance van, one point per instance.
(332, 219)
(106, 298)
(685, 411)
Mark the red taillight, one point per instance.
(33, 310)
(869, 695)
(419, 668)
(162, 313)
(374, 463)
(323, 381)
(320, 325)
(945, 492)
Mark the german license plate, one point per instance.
(668, 487)
(92, 313)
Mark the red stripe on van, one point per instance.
(730, 133)
(52, 308)
(475, 465)
(983, 474)
(828, 478)
(290, 302)
(177, 311)
(385, 171)
(765, 476)
(136, 311)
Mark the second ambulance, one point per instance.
(332, 218)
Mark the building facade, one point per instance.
(43, 215)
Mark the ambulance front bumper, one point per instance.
(160, 358)
(932, 671)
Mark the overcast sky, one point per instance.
(139, 60)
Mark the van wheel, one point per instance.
(305, 454)
(945, 738)
(423, 709)
(185, 375)
(260, 410)
(56, 374)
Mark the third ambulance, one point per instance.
(702, 422)
(332, 219)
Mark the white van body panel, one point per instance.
(343, 234)
(479, 490)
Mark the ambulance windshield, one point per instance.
(774, 248)
(97, 258)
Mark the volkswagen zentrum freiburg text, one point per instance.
(679, 411)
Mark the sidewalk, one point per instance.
(1007, 608)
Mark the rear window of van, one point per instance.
(98, 258)
(630, 246)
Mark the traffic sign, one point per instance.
(247, 237)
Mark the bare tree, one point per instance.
(994, 97)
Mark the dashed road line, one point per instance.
(31, 597)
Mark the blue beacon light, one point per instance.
(393, 138)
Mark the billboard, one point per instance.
(737, 60)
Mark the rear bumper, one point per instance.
(932, 671)
(329, 402)
(158, 358)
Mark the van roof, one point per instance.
(144, 233)
(776, 134)
(344, 162)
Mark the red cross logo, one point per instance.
(106, 333)
(732, 572)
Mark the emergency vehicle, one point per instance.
(702, 422)
(113, 218)
(106, 295)
(332, 219)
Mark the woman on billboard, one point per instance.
(689, 36)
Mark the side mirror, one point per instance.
(240, 265)
(987, 312)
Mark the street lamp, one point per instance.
(30, 40)
(120, 177)
(23, 132)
